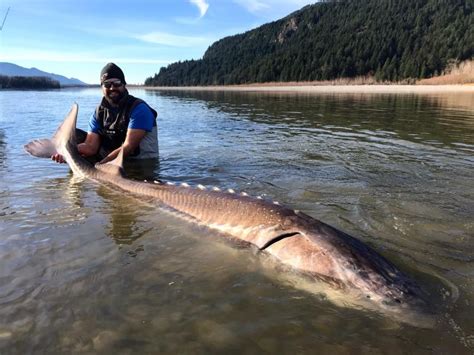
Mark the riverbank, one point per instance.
(311, 88)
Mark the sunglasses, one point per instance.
(115, 84)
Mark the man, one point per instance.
(121, 121)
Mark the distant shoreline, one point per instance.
(322, 89)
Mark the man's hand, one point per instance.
(58, 158)
(132, 141)
(86, 149)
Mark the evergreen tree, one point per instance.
(390, 39)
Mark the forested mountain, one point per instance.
(389, 39)
(28, 82)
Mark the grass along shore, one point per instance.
(312, 88)
(457, 78)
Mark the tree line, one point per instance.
(391, 40)
(28, 82)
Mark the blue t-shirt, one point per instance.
(141, 117)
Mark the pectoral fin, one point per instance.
(114, 167)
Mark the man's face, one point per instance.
(113, 90)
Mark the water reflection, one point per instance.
(3, 149)
(123, 224)
(357, 112)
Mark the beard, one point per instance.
(114, 96)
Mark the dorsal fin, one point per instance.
(114, 167)
(118, 161)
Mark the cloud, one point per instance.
(21, 54)
(202, 6)
(172, 40)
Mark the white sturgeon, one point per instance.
(293, 238)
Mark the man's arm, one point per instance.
(132, 141)
(88, 148)
(141, 122)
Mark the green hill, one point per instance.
(389, 39)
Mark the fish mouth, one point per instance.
(409, 305)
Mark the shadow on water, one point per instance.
(142, 169)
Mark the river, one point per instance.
(88, 269)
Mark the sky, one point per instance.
(76, 38)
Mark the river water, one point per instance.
(88, 269)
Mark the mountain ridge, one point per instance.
(11, 69)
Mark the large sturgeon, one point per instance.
(292, 237)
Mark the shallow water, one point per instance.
(84, 268)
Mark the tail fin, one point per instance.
(45, 148)
(41, 148)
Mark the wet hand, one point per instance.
(58, 158)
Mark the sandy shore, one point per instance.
(369, 89)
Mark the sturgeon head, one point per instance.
(361, 276)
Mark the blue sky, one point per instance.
(76, 38)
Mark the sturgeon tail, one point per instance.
(65, 135)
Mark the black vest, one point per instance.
(114, 122)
